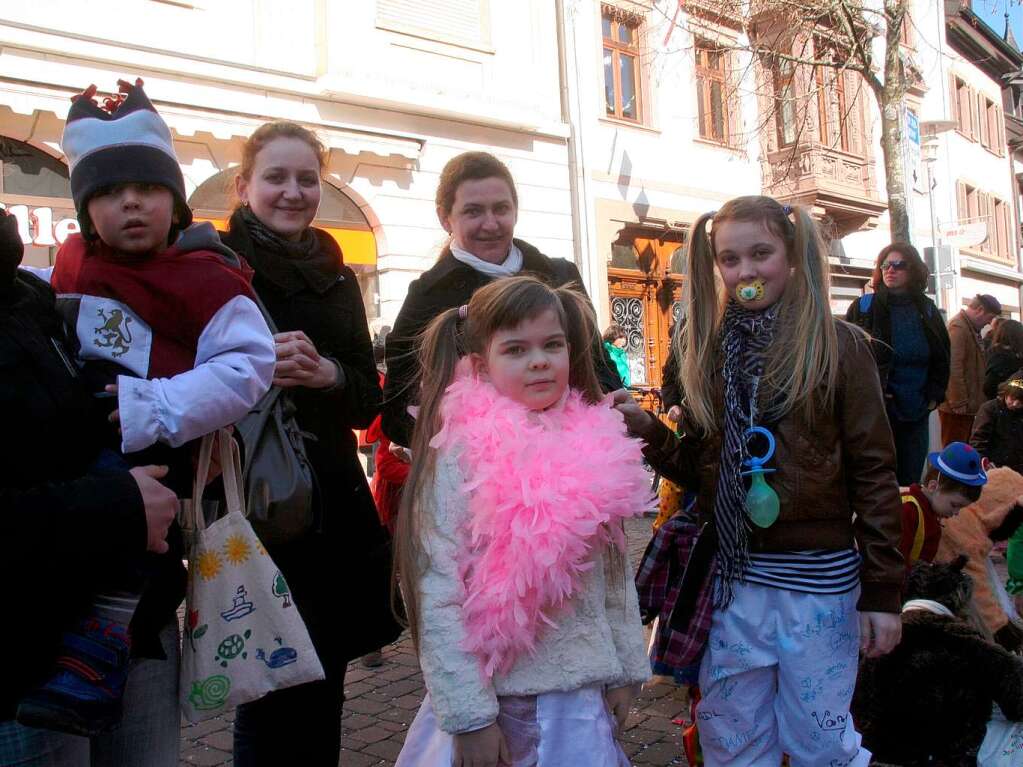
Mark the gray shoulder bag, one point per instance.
(276, 474)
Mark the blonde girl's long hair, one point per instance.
(502, 304)
(801, 364)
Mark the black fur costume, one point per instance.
(928, 701)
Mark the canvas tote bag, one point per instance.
(243, 635)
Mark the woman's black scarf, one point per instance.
(293, 266)
(744, 337)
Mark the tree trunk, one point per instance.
(890, 100)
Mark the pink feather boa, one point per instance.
(545, 488)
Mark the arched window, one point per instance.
(28, 171)
(35, 188)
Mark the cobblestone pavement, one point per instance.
(382, 702)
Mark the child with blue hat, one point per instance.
(960, 477)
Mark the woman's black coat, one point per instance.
(447, 284)
(871, 312)
(340, 574)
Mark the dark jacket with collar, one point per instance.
(998, 434)
(340, 574)
(835, 477)
(1002, 362)
(64, 525)
(872, 313)
(447, 284)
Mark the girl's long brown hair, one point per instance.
(801, 364)
(502, 304)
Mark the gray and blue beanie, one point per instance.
(124, 140)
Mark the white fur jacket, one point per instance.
(599, 640)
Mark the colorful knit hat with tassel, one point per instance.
(121, 140)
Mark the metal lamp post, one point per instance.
(930, 130)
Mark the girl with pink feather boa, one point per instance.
(510, 546)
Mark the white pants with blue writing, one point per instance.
(777, 677)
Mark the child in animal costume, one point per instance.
(994, 516)
(510, 547)
(807, 572)
(165, 328)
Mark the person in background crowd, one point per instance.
(69, 522)
(809, 581)
(998, 430)
(1005, 355)
(912, 348)
(615, 341)
(477, 204)
(955, 487)
(339, 573)
(989, 336)
(391, 468)
(965, 393)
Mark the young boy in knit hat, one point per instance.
(168, 332)
(959, 481)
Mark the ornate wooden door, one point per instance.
(645, 286)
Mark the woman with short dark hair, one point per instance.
(911, 347)
(477, 205)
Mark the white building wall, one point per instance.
(393, 104)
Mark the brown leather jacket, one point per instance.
(835, 479)
(965, 393)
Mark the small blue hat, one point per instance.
(960, 462)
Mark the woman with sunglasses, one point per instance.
(912, 350)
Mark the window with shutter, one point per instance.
(962, 206)
(998, 129)
(953, 97)
(450, 21)
(982, 120)
(1001, 232)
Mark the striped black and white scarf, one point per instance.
(744, 336)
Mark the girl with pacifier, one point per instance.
(790, 453)
(510, 546)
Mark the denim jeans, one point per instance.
(149, 734)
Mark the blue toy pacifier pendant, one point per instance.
(750, 291)
(761, 501)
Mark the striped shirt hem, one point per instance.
(816, 571)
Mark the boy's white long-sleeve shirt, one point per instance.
(600, 640)
(181, 332)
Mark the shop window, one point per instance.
(28, 171)
(621, 52)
